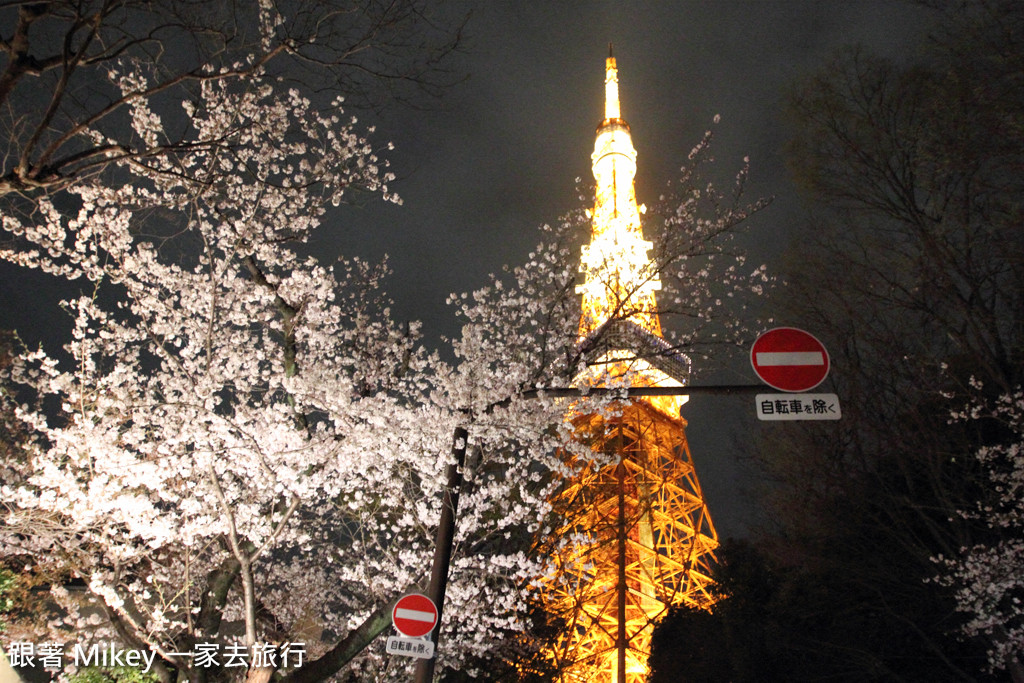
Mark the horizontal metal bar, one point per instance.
(639, 392)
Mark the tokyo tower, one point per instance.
(635, 536)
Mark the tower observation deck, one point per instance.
(635, 536)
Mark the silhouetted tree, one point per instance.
(913, 274)
(738, 641)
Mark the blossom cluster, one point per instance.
(988, 577)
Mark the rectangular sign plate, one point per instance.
(771, 407)
(421, 648)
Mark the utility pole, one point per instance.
(443, 546)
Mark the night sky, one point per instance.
(500, 152)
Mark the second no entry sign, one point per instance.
(414, 615)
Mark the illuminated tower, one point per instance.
(636, 537)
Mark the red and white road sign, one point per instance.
(414, 615)
(789, 359)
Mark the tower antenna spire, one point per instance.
(611, 87)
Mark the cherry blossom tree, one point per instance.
(212, 381)
(229, 431)
(246, 444)
(988, 577)
(238, 445)
(247, 448)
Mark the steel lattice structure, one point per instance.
(649, 543)
(635, 536)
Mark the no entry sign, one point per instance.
(789, 359)
(414, 615)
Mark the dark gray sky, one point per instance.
(499, 154)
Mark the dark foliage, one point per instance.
(912, 273)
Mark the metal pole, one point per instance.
(443, 546)
(639, 392)
(621, 587)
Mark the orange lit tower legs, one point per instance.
(636, 537)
